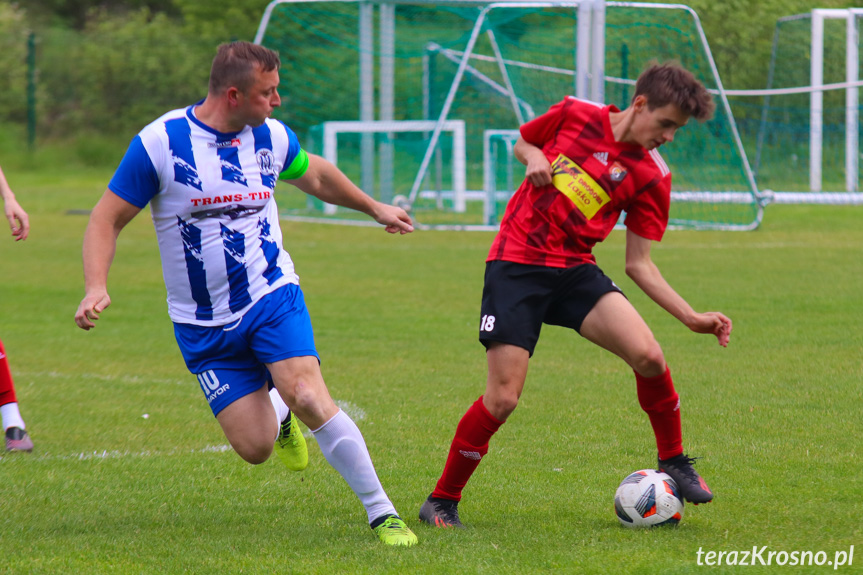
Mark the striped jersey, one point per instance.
(596, 178)
(212, 204)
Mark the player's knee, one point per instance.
(254, 453)
(501, 404)
(310, 400)
(304, 395)
(649, 361)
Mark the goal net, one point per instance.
(805, 129)
(492, 67)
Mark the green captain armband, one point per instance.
(297, 168)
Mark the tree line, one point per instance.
(110, 66)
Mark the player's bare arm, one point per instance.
(18, 220)
(327, 183)
(644, 272)
(108, 218)
(538, 168)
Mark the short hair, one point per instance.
(235, 63)
(669, 83)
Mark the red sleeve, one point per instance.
(542, 128)
(647, 215)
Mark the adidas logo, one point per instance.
(471, 454)
(602, 157)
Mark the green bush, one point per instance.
(13, 63)
(120, 73)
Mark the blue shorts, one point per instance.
(229, 359)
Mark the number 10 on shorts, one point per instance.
(486, 323)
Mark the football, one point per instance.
(648, 498)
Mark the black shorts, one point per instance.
(517, 299)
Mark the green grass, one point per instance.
(775, 417)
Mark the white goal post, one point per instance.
(491, 139)
(412, 65)
(816, 134)
(332, 130)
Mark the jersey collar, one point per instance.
(190, 114)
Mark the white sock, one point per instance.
(11, 416)
(345, 449)
(282, 409)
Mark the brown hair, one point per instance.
(235, 62)
(669, 83)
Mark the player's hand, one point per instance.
(394, 218)
(715, 323)
(90, 308)
(538, 170)
(19, 222)
(537, 167)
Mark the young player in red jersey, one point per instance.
(585, 165)
(17, 438)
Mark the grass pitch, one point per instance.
(131, 474)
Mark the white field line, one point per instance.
(750, 246)
(668, 246)
(354, 411)
(34, 375)
(117, 454)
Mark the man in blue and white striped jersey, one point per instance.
(209, 172)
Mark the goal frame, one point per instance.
(331, 131)
(589, 82)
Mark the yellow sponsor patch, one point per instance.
(578, 186)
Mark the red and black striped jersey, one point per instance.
(596, 178)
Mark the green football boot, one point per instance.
(393, 531)
(291, 445)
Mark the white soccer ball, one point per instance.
(648, 498)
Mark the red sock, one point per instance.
(658, 398)
(468, 448)
(7, 391)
